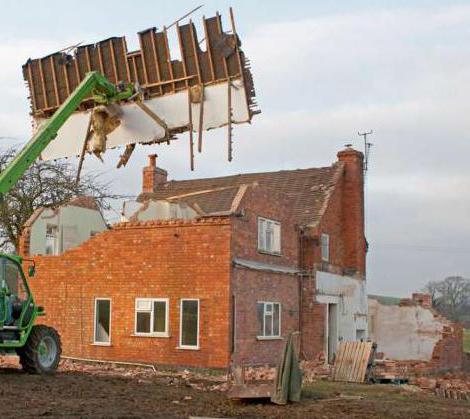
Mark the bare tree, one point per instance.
(48, 184)
(451, 297)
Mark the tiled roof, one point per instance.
(308, 189)
(214, 201)
(84, 201)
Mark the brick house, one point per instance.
(207, 272)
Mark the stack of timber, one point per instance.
(354, 361)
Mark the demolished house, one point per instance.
(412, 336)
(209, 272)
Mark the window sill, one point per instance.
(151, 335)
(265, 252)
(269, 338)
(189, 348)
(101, 344)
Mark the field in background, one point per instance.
(466, 340)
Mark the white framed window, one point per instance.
(151, 316)
(325, 247)
(269, 319)
(189, 323)
(52, 244)
(269, 236)
(102, 321)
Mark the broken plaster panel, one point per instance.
(137, 127)
(350, 295)
(405, 332)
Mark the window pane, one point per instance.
(143, 322)
(159, 316)
(276, 320)
(261, 234)
(277, 238)
(51, 240)
(260, 315)
(269, 235)
(189, 323)
(102, 315)
(268, 325)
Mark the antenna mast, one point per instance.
(367, 146)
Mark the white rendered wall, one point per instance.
(404, 332)
(76, 222)
(351, 296)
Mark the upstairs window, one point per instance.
(269, 319)
(151, 316)
(269, 236)
(52, 247)
(325, 247)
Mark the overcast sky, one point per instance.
(322, 71)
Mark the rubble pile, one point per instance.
(454, 386)
(315, 370)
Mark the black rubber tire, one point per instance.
(29, 353)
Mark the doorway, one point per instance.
(332, 331)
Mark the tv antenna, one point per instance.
(367, 146)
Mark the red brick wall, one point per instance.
(257, 202)
(313, 317)
(169, 260)
(448, 353)
(353, 210)
(249, 287)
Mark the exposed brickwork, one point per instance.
(265, 202)
(313, 321)
(353, 210)
(249, 287)
(169, 260)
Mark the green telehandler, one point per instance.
(39, 346)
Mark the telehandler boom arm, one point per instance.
(94, 83)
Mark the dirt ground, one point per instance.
(111, 392)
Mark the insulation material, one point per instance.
(135, 123)
(182, 93)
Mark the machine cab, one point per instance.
(15, 296)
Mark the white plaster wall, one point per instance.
(161, 210)
(403, 332)
(351, 296)
(76, 222)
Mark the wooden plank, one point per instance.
(346, 362)
(338, 360)
(339, 370)
(365, 361)
(358, 354)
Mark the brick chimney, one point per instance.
(153, 176)
(353, 210)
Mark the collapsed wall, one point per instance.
(411, 332)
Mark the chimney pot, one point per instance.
(153, 176)
(153, 160)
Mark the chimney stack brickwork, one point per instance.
(153, 176)
(353, 210)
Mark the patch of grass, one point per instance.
(466, 340)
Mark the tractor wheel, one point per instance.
(41, 353)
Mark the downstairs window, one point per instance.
(269, 319)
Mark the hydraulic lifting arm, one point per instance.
(94, 83)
